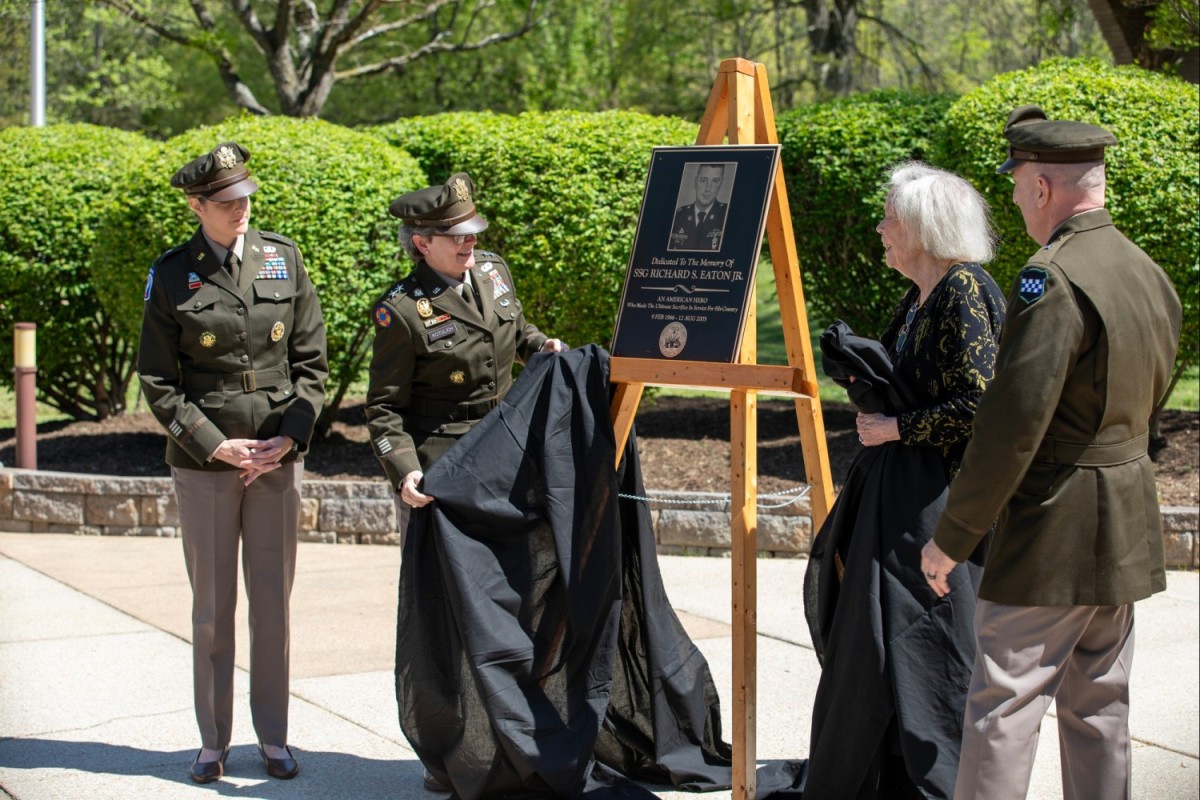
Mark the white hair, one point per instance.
(942, 211)
(1086, 177)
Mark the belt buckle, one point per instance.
(249, 381)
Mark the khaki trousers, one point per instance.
(216, 513)
(1078, 656)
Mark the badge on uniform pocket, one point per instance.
(208, 339)
(277, 331)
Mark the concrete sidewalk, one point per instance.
(95, 674)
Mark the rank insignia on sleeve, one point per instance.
(149, 283)
(208, 339)
(383, 317)
(424, 308)
(277, 331)
(457, 376)
(193, 280)
(1031, 284)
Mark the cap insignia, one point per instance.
(226, 157)
(461, 190)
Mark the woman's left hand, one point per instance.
(555, 346)
(875, 429)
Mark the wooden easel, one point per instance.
(739, 108)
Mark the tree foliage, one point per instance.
(55, 184)
(305, 52)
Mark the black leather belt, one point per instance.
(249, 381)
(1092, 455)
(448, 411)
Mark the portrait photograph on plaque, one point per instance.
(695, 252)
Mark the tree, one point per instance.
(1152, 34)
(302, 48)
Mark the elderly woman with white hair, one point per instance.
(884, 723)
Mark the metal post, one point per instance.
(37, 63)
(25, 371)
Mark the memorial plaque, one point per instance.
(695, 252)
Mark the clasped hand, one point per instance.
(254, 457)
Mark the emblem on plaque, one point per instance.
(672, 340)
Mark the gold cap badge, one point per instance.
(226, 157)
(461, 190)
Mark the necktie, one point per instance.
(469, 295)
(700, 217)
(233, 264)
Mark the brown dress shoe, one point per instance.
(432, 784)
(282, 768)
(208, 771)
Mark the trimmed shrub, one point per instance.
(325, 186)
(561, 190)
(1153, 174)
(836, 157)
(55, 184)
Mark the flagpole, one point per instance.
(37, 63)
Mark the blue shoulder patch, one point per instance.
(1031, 284)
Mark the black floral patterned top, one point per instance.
(946, 351)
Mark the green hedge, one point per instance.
(836, 158)
(1153, 174)
(325, 186)
(561, 191)
(55, 184)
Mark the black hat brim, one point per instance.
(473, 224)
(235, 191)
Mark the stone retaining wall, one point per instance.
(362, 512)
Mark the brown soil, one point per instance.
(684, 444)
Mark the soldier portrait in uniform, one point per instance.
(702, 206)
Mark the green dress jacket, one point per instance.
(220, 360)
(1059, 459)
(438, 366)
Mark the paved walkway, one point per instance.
(95, 674)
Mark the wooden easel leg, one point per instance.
(623, 409)
(743, 418)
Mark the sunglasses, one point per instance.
(459, 238)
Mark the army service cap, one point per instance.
(219, 175)
(1032, 137)
(449, 207)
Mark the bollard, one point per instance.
(25, 383)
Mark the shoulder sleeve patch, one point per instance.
(1031, 284)
(149, 285)
(383, 317)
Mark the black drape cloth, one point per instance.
(896, 660)
(536, 652)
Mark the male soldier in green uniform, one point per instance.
(232, 362)
(1059, 461)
